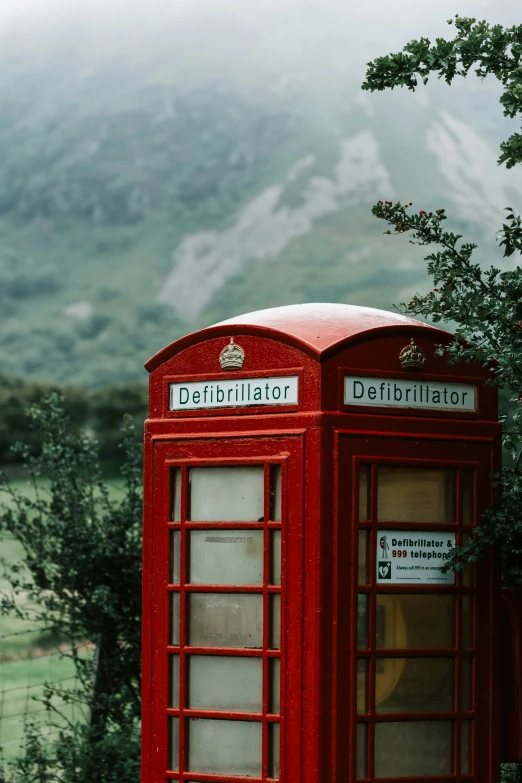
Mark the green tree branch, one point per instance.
(491, 49)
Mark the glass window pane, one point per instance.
(226, 557)
(225, 620)
(415, 620)
(466, 680)
(227, 494)
(465, 747)
(363, 571)
(364, 493)
(175, 549)
(417, 748)
(416, 495)
(174, 618)
(362, 751)
(225, 683)
(275, 749)
(275, 686)
(275, 623)
(467, 621)
(275, 493)
(414, 685)
(362, 686)
(468, 496)
(275, 557)
(224, 747)
(173, 750)
(362, 621)
(175, 494)
(174, 682)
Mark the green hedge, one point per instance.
(98, 411)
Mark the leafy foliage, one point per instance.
(485, 304)
(493, 49)
(99, 412)
(510, 773)
(83, 556)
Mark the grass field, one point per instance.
(30, 657)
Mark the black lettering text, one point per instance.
(355, 395)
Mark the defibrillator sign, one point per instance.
(404, 557)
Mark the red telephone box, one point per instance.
(308, 471)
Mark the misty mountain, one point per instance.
(153, 183)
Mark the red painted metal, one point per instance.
(511, 676)
(372, 449)
(317, 329)
(318, 442)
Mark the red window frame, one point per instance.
(429, 450)
(457, 653)
(266, 653)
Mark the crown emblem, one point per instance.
(412, 357)
(232, 357)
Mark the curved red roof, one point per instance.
(316, 328)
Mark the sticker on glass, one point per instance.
(404, 557)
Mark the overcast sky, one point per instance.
(400, 13)
(323, 41)
(354, 23)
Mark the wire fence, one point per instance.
(24, 677)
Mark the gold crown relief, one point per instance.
(412, 357)
(232, 357)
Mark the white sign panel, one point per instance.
(242, 393)
(416, 557)
(400, 393)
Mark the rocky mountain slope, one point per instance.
(148, 190)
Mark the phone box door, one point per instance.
(225, 564)
(418, 657)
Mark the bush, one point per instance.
(81, 574)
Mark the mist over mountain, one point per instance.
(163, 167)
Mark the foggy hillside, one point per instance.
(164, 169)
